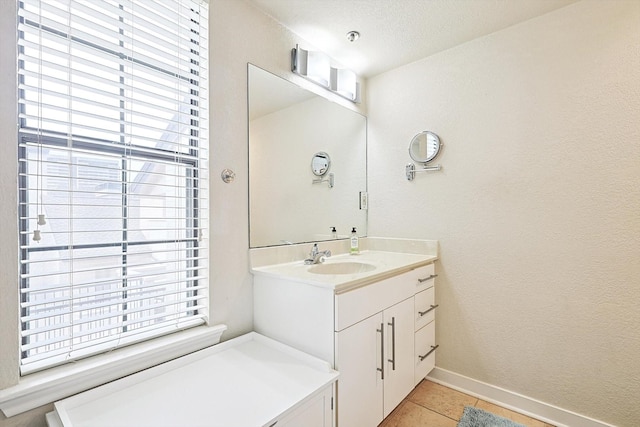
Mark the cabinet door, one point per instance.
(360, 361)
(315, 413)
(399, 338)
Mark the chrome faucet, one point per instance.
(316, 256)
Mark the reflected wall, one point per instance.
(288, 125)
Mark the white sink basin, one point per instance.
(343, 267)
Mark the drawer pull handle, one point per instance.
(433, 307)
(381, 369)
(393, 343)
(433, 348)
(433, 276)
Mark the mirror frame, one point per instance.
(320, 172)
(435, 139)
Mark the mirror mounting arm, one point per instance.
(331, 180)
(410, 170)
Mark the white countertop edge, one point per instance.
(57, 383)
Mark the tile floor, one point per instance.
(434, 405)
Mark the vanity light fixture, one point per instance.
(312, 65)
(316, 67)
(343, 82)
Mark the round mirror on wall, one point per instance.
(320, 163)
(424, 147)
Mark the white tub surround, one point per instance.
(389, 257)
(249, 381)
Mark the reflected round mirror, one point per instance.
(424, 147)
(320, 163)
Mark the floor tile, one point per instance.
(513, 416)
(409, 414)
(440, 399)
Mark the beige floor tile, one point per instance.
(513, 416)
(440, 399)
(409, 414)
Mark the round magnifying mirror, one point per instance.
(424, 147)
(320, 163)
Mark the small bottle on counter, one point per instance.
(334, 233)
(355, 249)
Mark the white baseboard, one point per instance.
(514, 401)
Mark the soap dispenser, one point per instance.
(355, 249)
(334, 233)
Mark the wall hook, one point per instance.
(228, 175)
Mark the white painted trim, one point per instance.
(53, 384)
(516, 402)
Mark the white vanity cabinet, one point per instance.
(373, 334)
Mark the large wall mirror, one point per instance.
(288, 127)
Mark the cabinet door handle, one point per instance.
(393, 343)
(433, 348)
(428, 278)
(433, 307)
(381, 369)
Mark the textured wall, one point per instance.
(537, 209)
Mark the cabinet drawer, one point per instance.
(424, 277)
(353, 306)
(358, 304)
(425, 351)
(425, 307)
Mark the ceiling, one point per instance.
(397, 32)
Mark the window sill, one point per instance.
(48, 386)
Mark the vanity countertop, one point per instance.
(387, 264)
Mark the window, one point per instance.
(112, 184)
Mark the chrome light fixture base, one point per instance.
(316, 67)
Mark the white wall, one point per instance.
(238, 34)
(537, 209)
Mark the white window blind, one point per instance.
(113, 177)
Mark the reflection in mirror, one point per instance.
(320, 163)
(424, 147)
(288, 125)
